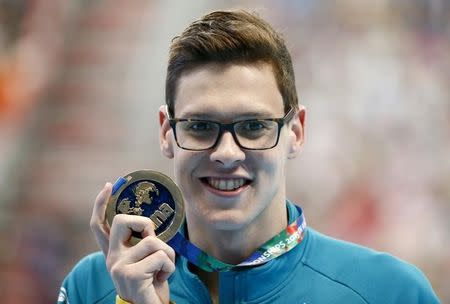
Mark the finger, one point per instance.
(149, 230)
(159, 264)
(98, 223)
(98, 219)
(148, 246)
(163, 276)
(122, 227)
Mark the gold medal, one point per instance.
(150, 194)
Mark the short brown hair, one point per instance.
(230, 37)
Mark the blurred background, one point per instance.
(81, 82)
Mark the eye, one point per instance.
(252, 125)
(254, 129)
(199, 126)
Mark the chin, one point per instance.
(227, 220)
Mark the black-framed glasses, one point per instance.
(251, 134)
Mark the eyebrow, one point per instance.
(220, 115)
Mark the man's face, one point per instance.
(228, 187)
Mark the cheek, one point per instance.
(270, 166)
(185, 163)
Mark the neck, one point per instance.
(233, 246)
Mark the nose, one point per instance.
(227, 152)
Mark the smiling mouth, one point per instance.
(225, 184)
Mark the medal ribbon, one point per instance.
(283, 242)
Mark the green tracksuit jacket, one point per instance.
(320, 270)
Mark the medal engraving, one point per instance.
(150, 194)
(143, 196)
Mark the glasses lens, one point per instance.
(196, 135)
(251, 134)
(257, 134)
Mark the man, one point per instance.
(231, 123)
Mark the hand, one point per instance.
(139, 272)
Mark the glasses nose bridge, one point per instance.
(229, 127)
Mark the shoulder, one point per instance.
(377, 277)
(94, 260)
(92, 266)
(89, 280)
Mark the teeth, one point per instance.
(227, 184)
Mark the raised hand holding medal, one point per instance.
(131, 221)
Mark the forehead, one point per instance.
(228, 92)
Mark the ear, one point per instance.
(165, 133)
(297, 132)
